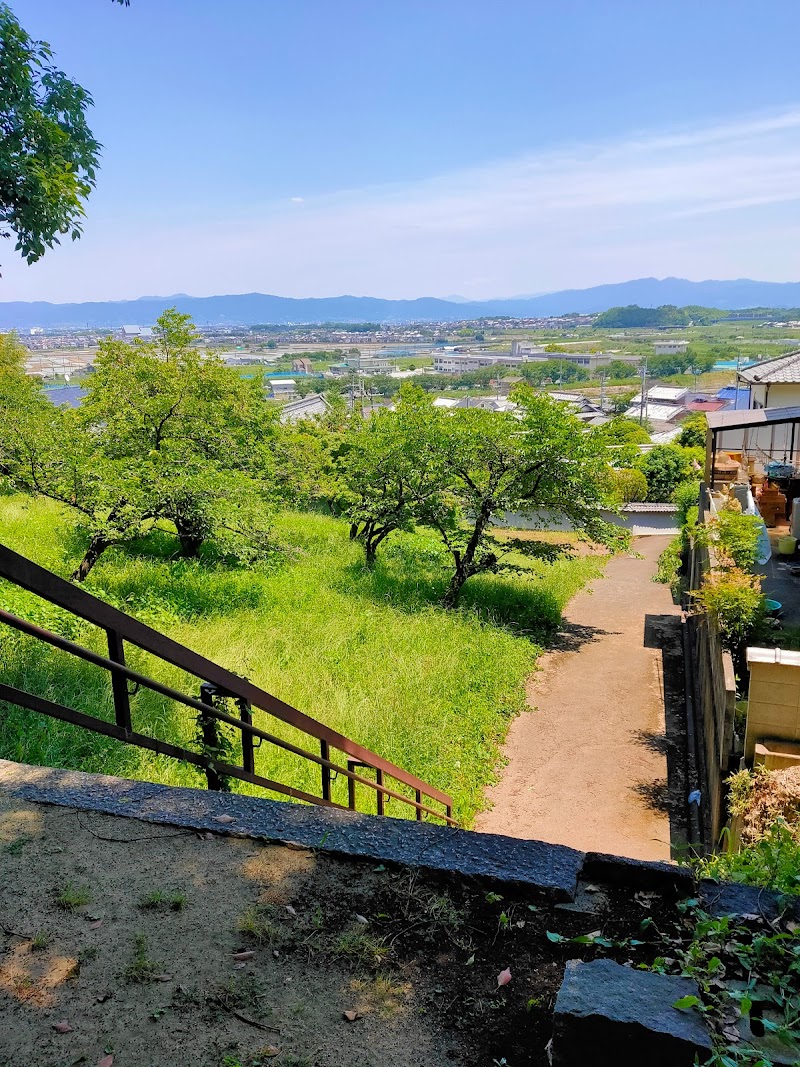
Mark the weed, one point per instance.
(360, 948)
(16, 847)
(258, 923)
(70, 896)
(90, 952)
(141, 967)
(40, 940)
(158, 899)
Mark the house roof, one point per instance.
(305, 408)
(655, 412)
(445, 402)
(662, 394)
(706, 405)
(783, 369)
(728, 420)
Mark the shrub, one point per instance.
(693, 432)
(686, 497)
(665, 467)
(669, 564)
(736, 539)
(735, 602)
(628, 484)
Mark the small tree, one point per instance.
(388, 471)
(693, 431)
(664, 467)
(544, 465)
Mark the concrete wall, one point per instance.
(775, 395)
(640, 524)
(773, 710)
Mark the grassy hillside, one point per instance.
(371, 654)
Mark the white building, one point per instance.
(463, 362)
(775, 383)
(671, 348)
(664, 394)
(282, 387)
(525, 348)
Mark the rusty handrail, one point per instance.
(120, 627)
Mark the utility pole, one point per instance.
(644, 392)
(602, 389)
(736, 394)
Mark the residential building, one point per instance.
(664, 394)
(671, 348)
(128, 333)
(661, 416)
(362, 365)
(775, 383)
(306, 407)
(282, 387)
(301, 365)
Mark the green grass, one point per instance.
(371, 654)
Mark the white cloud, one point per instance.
(720, 201)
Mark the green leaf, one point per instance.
(687, 1002)
(555, 938)
(745, 1005)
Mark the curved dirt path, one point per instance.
(587, 765)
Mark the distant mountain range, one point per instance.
(251, 308)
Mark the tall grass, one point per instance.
(370, 653)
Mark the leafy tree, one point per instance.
(665, 467)
(623, 437)
(387, 470)
(164, 433)
(48, 156)
(554, 370)
(496, 463)
(693, 431)
(628, 484)
(618, 368)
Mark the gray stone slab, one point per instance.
(732, 898)
(552, 869)
(614, 1016)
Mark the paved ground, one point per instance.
(588, 765)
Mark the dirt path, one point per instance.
(587, 766)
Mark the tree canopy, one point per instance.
(48, 156)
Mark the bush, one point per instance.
(669, 564)
(693, 432)
(736, 538)
(735, 602)
(628, 484)
(665, 467)
(686, 497)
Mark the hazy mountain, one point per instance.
(250, 308)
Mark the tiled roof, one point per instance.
(656, 412)
(645, 507)
(783, 369)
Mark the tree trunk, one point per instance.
(370, 553)
(450, 598)
(190, 545)
(97, 547)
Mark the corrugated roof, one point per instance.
(783, 369)
(662, 393)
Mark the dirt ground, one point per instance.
(119, 943)
(587, 766)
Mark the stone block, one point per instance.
(608, 1015)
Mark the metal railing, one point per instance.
(217, 684)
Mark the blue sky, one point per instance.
(426, 147)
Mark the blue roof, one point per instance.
(729, 393)
(69, 395)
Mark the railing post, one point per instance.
(210, 734)
(119, 683)
(351, 785)
(325, 753)
(248, 755)
(418, 793)
(379, 781)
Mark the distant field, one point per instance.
(371, 654)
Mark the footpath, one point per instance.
(587, 764)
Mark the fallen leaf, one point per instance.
(63, 1027)
(101, 998)
(270, 1051)
(362, 919)
(290, 909)
(106, 1061)
(248, 955)
(351, 1016)
(239, 966)
(96, 925)
(470, 961)
(207, 836)
(275, 953)
(224, 819)
(504, 977)
(592, 888)
(164, 977)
